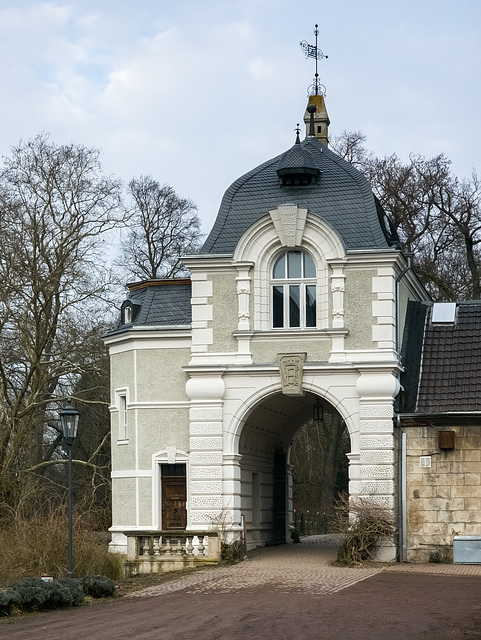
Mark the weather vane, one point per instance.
(313, 51)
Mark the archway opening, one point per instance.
(320, 470)
(271, 444)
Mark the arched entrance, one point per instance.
(266, 478)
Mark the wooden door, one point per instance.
(174, 499)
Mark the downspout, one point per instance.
(402, 444)
(402, 510)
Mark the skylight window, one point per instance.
(444, 313)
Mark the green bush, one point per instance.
(98, 586)
(75, 589)
(36, 595)
(33, 594)
(9, 600)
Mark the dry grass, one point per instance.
(38, 545)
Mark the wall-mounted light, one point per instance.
(318, 412)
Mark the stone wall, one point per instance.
(443, 500)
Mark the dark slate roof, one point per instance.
(341, 196)
(297, 161)
(158, 303)
(442, 361)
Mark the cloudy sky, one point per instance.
(196, 93)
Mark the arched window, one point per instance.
(294, 291)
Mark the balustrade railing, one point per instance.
(156, 551)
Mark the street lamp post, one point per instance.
(69, 419)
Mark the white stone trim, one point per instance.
(131, 473)
(261, 244)
(289, 221)
(169, 455)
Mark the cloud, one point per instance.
(198, 93)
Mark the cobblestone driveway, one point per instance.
(293, 568)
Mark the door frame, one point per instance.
(166, 482)
(167, 456)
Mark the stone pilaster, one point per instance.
(206, 390)
(375, 477)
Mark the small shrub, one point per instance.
(57, 595)
(362, 524)
(98, 586)
(33, 594)
(232, 552)
(36, 595)
(111, 564)
(75, 589)
(9, 600)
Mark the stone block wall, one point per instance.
(443, 500)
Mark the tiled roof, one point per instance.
(341, 196)
(449, 369)
(159, 303)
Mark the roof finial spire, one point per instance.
(313, 51)
(298, 131)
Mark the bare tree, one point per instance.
(437, 215)
(319, 465)
(350, 146)
(55, 206)
(163, 227)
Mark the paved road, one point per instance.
(287, 593)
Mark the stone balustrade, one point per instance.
(160, 551)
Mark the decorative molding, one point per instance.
(377, 457)
(291, 366)
(377, 442)
(243, 286)
(243, 296)
(206, 457)
(376, 411)
(204, 517)
(206, 486)
(207, 443)
(289, 221)
(206, 413)
(206, 428)
(376, 426)
(376, 487)
(198, 473)
(206, 502)
(376, 471)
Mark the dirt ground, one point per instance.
(385, 606)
